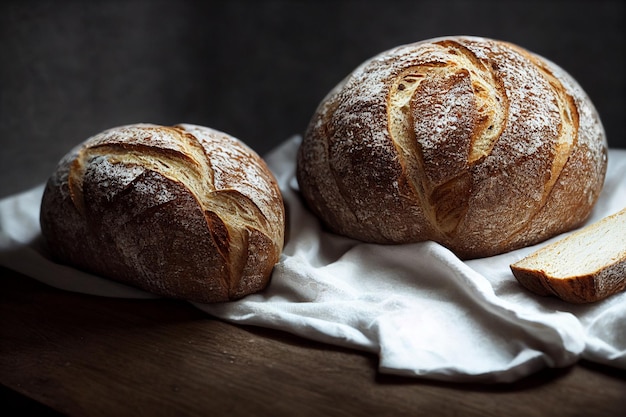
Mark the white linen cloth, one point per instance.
(423, 311)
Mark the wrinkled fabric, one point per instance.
(422, 310)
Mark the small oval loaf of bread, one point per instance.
(474, 143)
(586, 266)
(185, 212)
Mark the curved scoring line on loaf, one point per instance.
(178, 156)
(568, 128)
(568, 134)
(443, 60)
(238, 176)
(170, 153)
(491, 100)
(525, 150)
(249, 197)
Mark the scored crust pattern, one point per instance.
(475, 143)
(183, 211)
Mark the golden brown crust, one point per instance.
(578, 289)
(586, 266)
(474, 143)
(185, 212)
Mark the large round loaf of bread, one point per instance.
(475, 143)
(185, 212)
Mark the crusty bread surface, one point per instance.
(185, 212)
(586, 266)
(475, 143)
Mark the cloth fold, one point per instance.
(421, 309)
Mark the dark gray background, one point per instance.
(254, 69)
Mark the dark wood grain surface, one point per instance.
(83, 355)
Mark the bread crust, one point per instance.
(584, 267)
(580, 289)
(474, 143)
(184, 212)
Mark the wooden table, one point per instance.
(82, 355)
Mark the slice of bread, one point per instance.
(586, 266)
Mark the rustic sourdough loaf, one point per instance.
(586, 266)
(185, 212)
(474, 143)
